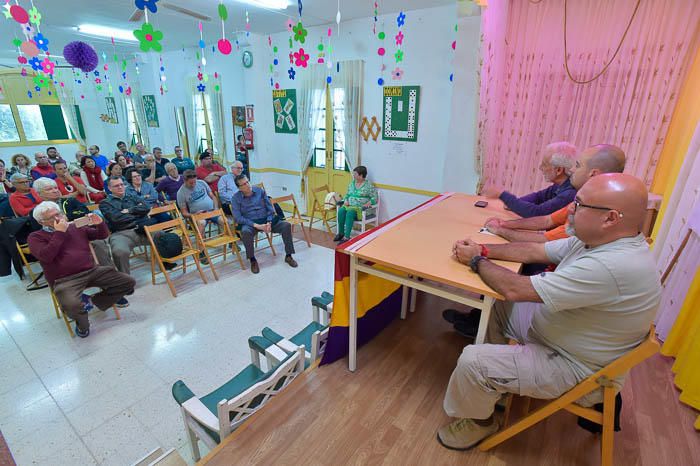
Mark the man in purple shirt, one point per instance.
(556, 167)
(63, 249)
(171, 183)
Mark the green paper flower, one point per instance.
(399, 56)
(34, 16)
(41, 81)
(16, 42)
(149, 38)
(300, 33)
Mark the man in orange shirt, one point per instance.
(602, 158)
(209, 171)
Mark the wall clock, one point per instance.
(247, 58)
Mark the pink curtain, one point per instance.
(527, 100)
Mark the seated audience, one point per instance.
(122, 149)
(209, 171)
(21, 164)
(194, 197)
(361, 195)
(5, 183)
(596, 306)
(64, 253)
(170, 185)
(227, 186)
(181, 162)
(114, 170)
(253, 212)
(142, 189)
(69, 185)
(602, 158)
(24, 199)
(100, 160)
(160, 160)
(93, 179)
(54, 156)
(153, 172)
(139, 158)
(556, 167)
(42, 169)
(74, 167)
(123, 162)
(126, 215)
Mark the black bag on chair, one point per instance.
(168, 245)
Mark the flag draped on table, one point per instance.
(378, 300)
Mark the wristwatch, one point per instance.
(474, 263)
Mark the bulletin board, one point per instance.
(149, 107)
(284, 104)
(401, 104)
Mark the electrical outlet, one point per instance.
(284, 188)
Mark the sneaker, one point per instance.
(290, 260)
(82, 333)
(203, 258)
(87, 302)
(338, 237)
(122, 303)
(463, 434)
(254, 267)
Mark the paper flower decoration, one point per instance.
(29, 48)
(48, 66)
(22, 60)
(399, 38)
(200, 76)
(201, 87)
(81, 55)
(23, 72)
(150, 4)
(16, 42)
(300, 33)
(401, 19)
(149, 38)
(96, 73)
(397, 74)
(34, 16)
(301, 7)
(29, 94)
(128, 91)
(41, 81)
(28, 30)
(290, 25)
(301, 58)
(35, 63)
(19, 14)
(98, 81)
(41, 42)
(292, 73)
(399, 56)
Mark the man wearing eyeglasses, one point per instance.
(595, 307)
(24, 199)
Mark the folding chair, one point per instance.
(166, 209)
(370, 216)
(23, 250)
(176, 226)
(318, 207)
(213, 417)
(601, 379)
(295, 219)
(223, 239)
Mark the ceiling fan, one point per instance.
(137, 16)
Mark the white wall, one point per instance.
(67, 151)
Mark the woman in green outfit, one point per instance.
(361, 195)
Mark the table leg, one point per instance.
(404, 301)
(484, 320)
(352, 350)
(414, 295)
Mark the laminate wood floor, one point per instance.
(388, 412)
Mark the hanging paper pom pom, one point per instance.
(19, 14)
(225, 46)
(81, 55)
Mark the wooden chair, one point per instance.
(370, 216)
(318, 207)
(166, 209)
(23, 250)
(295, 219)
(601, 379)
(92, 207)
(177, 226)
(222, 239)
(213, 417)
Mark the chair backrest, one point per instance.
(211, 214)
(261, 185)
(166, 208)
(621, 365)
(288, 198)
(232, 413)
(171, 225)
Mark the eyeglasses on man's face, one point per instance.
(578, 203)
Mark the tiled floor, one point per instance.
(106, 399)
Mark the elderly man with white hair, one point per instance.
(227, 186)
(556, 167)
(63, 249)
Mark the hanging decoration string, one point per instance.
(617, 50)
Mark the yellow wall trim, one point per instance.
(55, 142)
(389, 187)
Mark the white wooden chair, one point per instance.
(213, 417)
(370, 216)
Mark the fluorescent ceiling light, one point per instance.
(106, 31)
(273, 4)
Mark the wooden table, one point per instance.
(420, 244)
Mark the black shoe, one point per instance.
(82, 333)
(122, 303)
(453, 316)
(467, 329)
(338, 237)
(169, 265)
(290, 260)
(343, 241)
(254, 267)
(203, 258)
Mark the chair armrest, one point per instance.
(271, 335)
(200, 413)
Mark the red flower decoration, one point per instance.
(301, 58)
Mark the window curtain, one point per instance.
(68, 103)
(310, 98)
(191, 108)
(216, 122)
(137, 102)
(527, 100)
(350, 79)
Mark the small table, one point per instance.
(419, 245)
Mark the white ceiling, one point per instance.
(60, 17)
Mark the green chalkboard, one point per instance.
(53, 122)
(401, 104)
(149, 107)
(284, 105)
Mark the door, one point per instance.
(328, 166)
